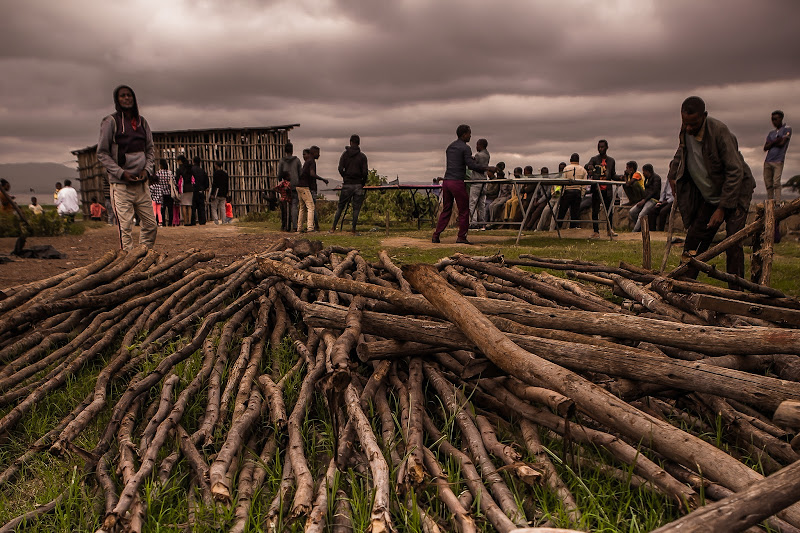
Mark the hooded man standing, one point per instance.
(712, 183)
(126, 151)
(353, 169)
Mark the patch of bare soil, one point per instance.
(226, 241)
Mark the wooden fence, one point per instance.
(249, 155)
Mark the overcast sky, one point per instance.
(538, 79)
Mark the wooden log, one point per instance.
(788, 414)
(733, 279)
(735, 307)
(392, 349)
(589, 398)
(746, 508)
(749, 230)
(653, 301)
(767, 242)
(647, 262)
(619, 361)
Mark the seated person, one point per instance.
(652, 189)
(498, 205)
(539, 200)
(660, 213)
(571, 197)
(492, 190)
(634, 183)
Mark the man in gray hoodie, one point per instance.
(290, 165)
(354, 169)
(126, 151)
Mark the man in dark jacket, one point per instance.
(291, 166)
(712, 182)
(652, 191)
(199, 192)
(219, 192)
(604, 167)
(353, 169)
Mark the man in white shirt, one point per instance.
(571, 197)
(67, 201)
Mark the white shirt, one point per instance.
(67, 201)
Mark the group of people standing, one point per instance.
(708, 178)
(180, 198)
(297, 187)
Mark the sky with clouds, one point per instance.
(539, 79)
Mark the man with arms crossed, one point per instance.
(776, 146)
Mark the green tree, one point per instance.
(400, 204)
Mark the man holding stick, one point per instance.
(712, 183)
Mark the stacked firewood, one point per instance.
(474, 362)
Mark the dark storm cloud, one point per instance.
(539, 79)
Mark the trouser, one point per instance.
(293, 211)
(286, 209)
(570, 199)
(699, 237)
(535, 214)
(660, 216)
(199, 207)
(217, 204)
(772, 179)
(638, 213)
(166, 209)
(110, 211)
(351, 192)
(454, 190)
(157, 212)
(497, 207)
(129, 200)
(607, 196)
(305, 208)
(477, 203)
(487, 208)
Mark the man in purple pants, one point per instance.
(459, 159)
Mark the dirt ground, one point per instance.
(227, 241)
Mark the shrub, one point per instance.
(48, 224)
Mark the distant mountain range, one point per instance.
(41, 177)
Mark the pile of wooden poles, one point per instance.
(473, 362)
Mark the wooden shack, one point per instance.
(249, 155)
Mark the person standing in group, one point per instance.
(712, 183)
(571, 197)
(604, 168)
(776, 146)
(354, 170)
(458, 158)
(308, 177)
(228, 210)
(158, 188)
(312, 186)
(126, 151)
(291, 165)
(35, 207)
(167, 181)
(67, 201)
(219, 192)
(200, 181)
(55, 193)
(185, 189)
(477, 191)
(645, 206)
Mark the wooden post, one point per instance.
(670, 230)
(767, 242)
(646, 258)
